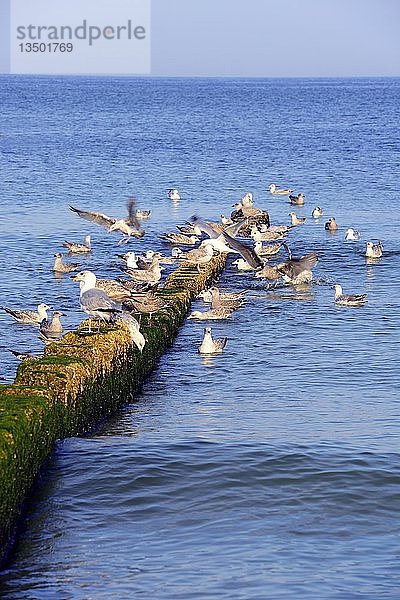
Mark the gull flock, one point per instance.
(247, 233)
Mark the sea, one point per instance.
(271, 471)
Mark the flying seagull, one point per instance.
(129, 226)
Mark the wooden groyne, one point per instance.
(77, 383)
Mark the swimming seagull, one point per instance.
(24, 355)
(224, 242)
(265, 236)
(50, 331)
(61, 267)
(216, 314)
(282, 192)
(98, 305)
(331, 225)
(180, 238)
(348, 299)
(173, 194)
(373, 250)
(297, 200)
(220, 301)
(268, 250)
(207, 295)
(28, 317)
(76, 248)
(210, 346)
(143, 214)
(297, 220)
(352, 235)
(317, 212)
(129, 226)
(298, 270)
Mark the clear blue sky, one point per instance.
(263, 38)
(276, 38)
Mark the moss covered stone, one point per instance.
(77, 383)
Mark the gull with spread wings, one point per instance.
(129, 226)
(226, 243)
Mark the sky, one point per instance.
(249, 38)
(276, 38)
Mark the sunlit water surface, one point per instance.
(271, 471)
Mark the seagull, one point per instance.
(24, 355)
(207, 295)
(176, 253)
(268, 250)
(282, 192)
(173, 194)
(331, 225)
(226, 243)
(297, 220)
(98, 305)
(212, 314)
(348, 300)
(199, 256)
(210, 346)
(297, 200)
(247, 199)
(180, 238)
(60, 267)
(317, 212)
(114, 289)
(268, 272)
(129, 226)
(76, 248)
(130, 259)
(143, 214)
(51, 331)
(151, 274)
(298, 270)
(264, 236)
(146, 303)
(245, 211)
(352, 235)
(374, 250)
(220, 301)
(242, 265)
(28, 317)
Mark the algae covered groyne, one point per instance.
(78, 382)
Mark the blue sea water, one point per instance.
(273, 470)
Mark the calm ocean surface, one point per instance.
(273, 470)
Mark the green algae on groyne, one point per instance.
(77, 383)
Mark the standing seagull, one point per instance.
(210, 346)
(129, 226)
(199, 256)
(97, 304)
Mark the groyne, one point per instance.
(77, 383)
